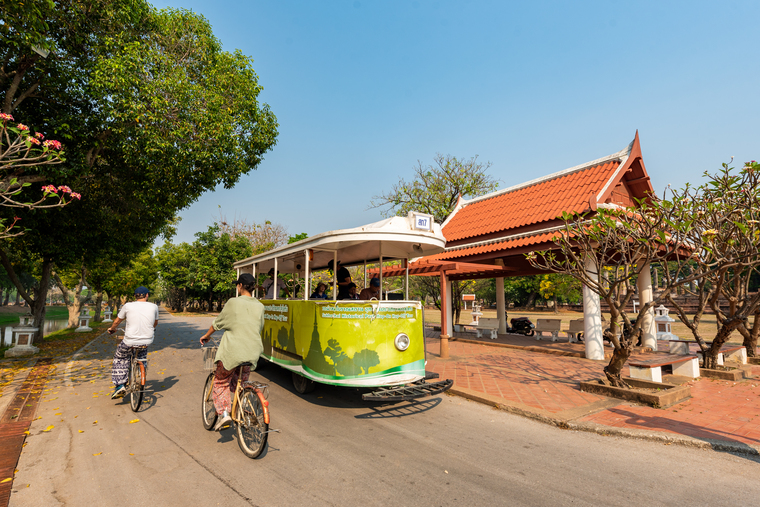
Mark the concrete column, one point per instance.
(445, 309)
(501, 305)
(592, 316)
(449, 307)
(644, 286)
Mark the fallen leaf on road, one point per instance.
(134, 421)
(81, 431)
(445, 471)
(6, 480)
(58, 413)
(94, 422)
(98, 454)
(131, 454)
(49, 428)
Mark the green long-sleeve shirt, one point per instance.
(242, 320)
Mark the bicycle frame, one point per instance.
(236, 398)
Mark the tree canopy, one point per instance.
(437, 187)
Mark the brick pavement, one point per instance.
(547, 384)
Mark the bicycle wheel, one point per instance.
(251, 428)
(136, 384)
(207, 404)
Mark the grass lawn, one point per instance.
(708, 326)
(10, 314)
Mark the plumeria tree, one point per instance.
(22, 153)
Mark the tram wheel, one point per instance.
(302, 384)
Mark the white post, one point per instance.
(592, 316)
(335, 275)
(275, 290)
(381, 273)
(237, 292)
(406, 284)
(449, 317)
(644, 286)
(256, 287)
(307, 279)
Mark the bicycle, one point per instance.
(249, 412)
(135, 386)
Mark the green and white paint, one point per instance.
(346, 343)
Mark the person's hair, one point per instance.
(249, 287)
(321, 284)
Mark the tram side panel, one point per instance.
(348, 343)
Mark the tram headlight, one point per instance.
(401, 342)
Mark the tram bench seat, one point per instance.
(576, 329)
(489, 325)
(551, 326)
(651, 369)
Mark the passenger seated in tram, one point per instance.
(373, 291)
(351, 292)
(320, 292)
(343, 277)
(268, 286)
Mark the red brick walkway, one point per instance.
(15, 422)
(548, 383)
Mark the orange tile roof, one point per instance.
(530, 204)
(495, 246)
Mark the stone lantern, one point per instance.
(84, 321)
(23, 335)
(662, 323)
(107, 314)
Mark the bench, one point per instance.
(551, 326)
(651, 369)
(490, 325)
(576, 329)
(731, 353)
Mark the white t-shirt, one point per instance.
(269, 286)
(140, 317)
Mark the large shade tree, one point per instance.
(152, 111)
(436, 190)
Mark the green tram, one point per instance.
(378, 343)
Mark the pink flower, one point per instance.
(21, 126)
(64, 189)
(6, 117)
(56, 145)
(38, 135)
(50, 189)
(34, 140)
(77, 196)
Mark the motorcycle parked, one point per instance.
(521, 325)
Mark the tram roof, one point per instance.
(395, 238)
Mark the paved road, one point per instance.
(335, 449)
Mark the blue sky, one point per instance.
(364, 89)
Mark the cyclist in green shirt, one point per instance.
(242, 320)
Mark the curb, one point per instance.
(609, 431)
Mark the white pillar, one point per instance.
(592, 316)
(450, 320)
(644, 286)
(501, 305)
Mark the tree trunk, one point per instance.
(7, 296)
(73, 301)
(711, 356)
(556, 305)
(750, 336)
(98, 304)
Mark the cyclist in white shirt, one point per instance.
(142, 319)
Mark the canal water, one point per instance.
(50, 326)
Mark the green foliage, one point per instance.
(297, 237)
(560, 287)
(152, 111)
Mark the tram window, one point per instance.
(395, 296)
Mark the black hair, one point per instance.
(249, 287)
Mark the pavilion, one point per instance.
(488, 236)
